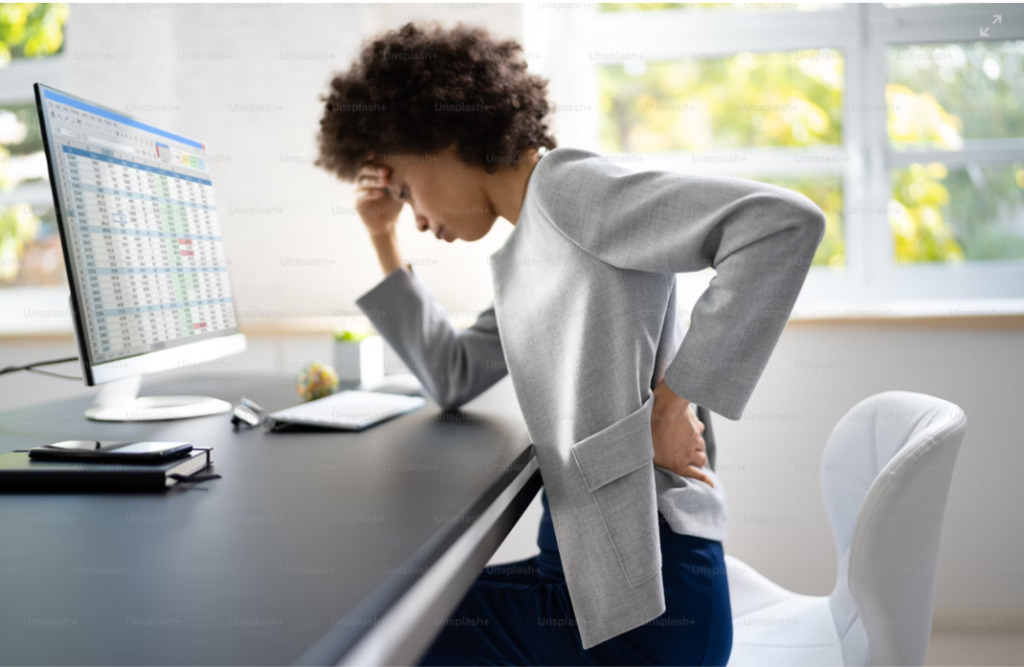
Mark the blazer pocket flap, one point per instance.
(617, 449)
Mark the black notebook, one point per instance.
(20, 474)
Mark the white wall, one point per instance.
(246, 80)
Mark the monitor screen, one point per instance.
(138, 219)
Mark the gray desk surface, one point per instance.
(305, 541)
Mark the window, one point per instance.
(905, 124)
(787, 100)
(32, 277)
(957, 98)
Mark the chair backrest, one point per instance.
(885, 477)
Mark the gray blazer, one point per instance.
(585, 302)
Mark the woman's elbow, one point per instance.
(812, 218)
(807, 217)
(816, 223)
(443, 392)
(449, 404)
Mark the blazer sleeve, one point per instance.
(759, 238)
(454, 366)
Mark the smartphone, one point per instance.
(104, 451)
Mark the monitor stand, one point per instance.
(119, 401)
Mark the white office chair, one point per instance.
(885, 477)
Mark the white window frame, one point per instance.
(559, 38)
(32, 309)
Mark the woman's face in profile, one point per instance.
(446, 194)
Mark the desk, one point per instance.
(316, 547)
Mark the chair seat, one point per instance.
(796, 632)
(774, 626)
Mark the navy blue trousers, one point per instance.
(520, 613)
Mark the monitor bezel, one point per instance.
(137, 364)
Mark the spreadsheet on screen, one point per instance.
(140, 221)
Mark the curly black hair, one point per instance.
(416, 90)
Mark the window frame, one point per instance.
(559, 43)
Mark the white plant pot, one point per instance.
(361, 361)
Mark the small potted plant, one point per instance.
(359, 357)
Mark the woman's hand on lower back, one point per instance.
(676, 432)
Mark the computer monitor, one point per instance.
(143, 251)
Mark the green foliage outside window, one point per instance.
(31, 30)
(771, 100)
(609, 7)
(27, 30)
(937, 97)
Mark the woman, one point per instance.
(631, 568)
